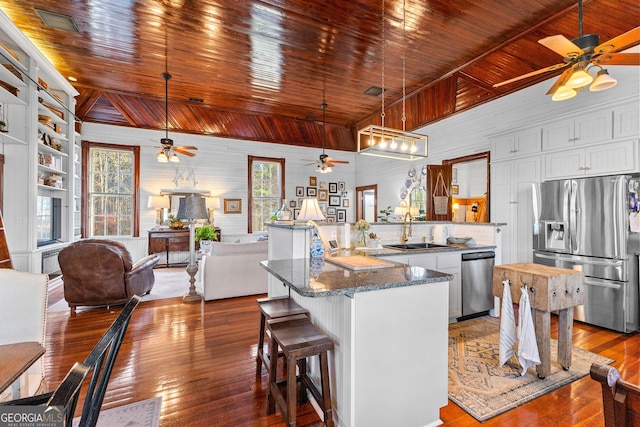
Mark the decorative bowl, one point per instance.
(458, 240)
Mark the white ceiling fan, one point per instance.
(324, 162)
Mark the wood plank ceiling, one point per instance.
(259, 69)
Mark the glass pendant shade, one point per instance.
(563, 93)
(578, 79)
(603, 81)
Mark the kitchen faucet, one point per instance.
(404, 227)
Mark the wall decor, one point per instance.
(323, 184)
(299, 191)
(333, 187)
(313, 181)
(312, 191)
(323, 207)
(341, 186)
(331, 218)
(296, 212)
(300, 202)
(454, 175)
(331, 211)
(232, 206)
(345, 203)
(334, 200)
(342, 215)
(454, 189)
(323, 195)
(292, 203)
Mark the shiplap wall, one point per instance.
(221, 164)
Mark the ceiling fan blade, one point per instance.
(560, 81)
(619, 42)
(617, 59)
(531, 74)
(186, 153)
(160, 152)
(561, 45)
(338, 161)
(185, 147)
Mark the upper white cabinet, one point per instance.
(626, 121)
(602, 159)
(516, 144)
(584, 129)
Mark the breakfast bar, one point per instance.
(388, 322)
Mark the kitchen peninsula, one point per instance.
(389, 325)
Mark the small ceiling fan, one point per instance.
(579, 56)
(168, 152)
(324, 162)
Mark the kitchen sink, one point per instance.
(415, 246)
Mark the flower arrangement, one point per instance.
(362, 225)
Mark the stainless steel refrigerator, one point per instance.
(585, 222)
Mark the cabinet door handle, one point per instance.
(513, 151)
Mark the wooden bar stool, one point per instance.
(273, 308)
(298, 339)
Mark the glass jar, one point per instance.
(285, 213)
(361, 239)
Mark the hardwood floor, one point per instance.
(201, 359)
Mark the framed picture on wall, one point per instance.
(455, 189)
(454, 175)
(300, 202)
(345, 203)
(292, 203)
(312, 191)
(232, 206)
(331, 218)
(341, 186)
(323, 184)
(296, 212)
(334, 200)
(313, 181)
(341, 215)
(331, 211)
(333, 187)
(323, 195)
(299, 191)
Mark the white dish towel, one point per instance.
(528, 347)
(508, 335)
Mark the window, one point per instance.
(266, 190)
(110, 190)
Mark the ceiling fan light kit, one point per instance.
(381, 141)
(168, 152)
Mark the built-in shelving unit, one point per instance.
(42, 151)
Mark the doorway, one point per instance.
(367, 203)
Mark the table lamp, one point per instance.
(159, 203)
(192, 208)
(213, 203)
(310, 212)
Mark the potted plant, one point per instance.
(204, 235)
(174, 222)
(386, 212)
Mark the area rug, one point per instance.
(145, 413)
(483, 389)
(170, 282)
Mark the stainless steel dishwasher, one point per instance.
(477, 282)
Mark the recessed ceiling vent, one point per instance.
(373, 91)
(58, 21)
(192, 99)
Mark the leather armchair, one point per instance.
(98, 272)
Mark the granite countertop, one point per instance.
(450, 247)
(318, 278)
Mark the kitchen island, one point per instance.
(389, 325)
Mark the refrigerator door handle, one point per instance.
(573, 217)
(569, 258)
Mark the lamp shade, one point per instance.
(310, 211)
(603, 81)
(213, 202)
(158, 202)
(192, 207)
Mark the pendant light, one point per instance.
(381, 141)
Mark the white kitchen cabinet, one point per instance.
(512, 204)
(626, 121)
(516, 144)
(584, 129)
(602, 159)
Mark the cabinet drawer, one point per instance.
(448, 261)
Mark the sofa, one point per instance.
(100, 272)
(233, 269)
(23, 316)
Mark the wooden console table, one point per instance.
(550, 289)
(171, 240)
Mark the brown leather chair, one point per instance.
(98, 272)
